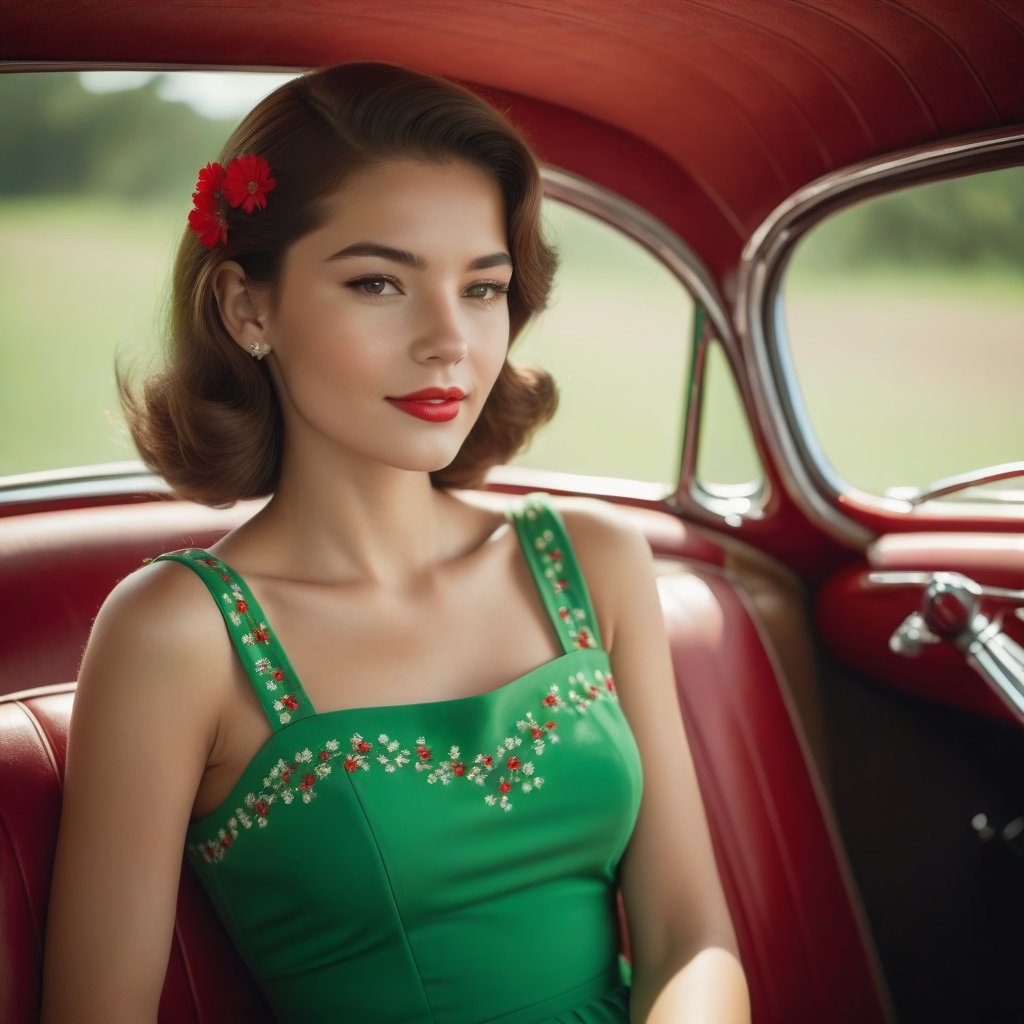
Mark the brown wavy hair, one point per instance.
(209, 422)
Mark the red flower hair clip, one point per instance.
(245, 182)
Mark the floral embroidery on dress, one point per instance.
(501, 773)
(553, 566)
(257, 634)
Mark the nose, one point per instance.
(441, 331)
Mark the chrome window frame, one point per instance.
(785, 427)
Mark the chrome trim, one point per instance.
(951, 611)
(960, 482)
(805, 471)
(100, 480)
(663, 243)
(636, 223)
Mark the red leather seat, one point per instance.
(807, 954)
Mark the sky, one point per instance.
(214, 94)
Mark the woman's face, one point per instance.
(391, 321)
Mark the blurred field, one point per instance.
(894, 398)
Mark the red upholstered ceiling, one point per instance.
(707, 112)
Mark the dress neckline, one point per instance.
(321, 718)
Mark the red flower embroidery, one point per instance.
(308, 782)
(423, 753)
(351, 764)
(210, 563)
(289, 702)
(583, 638)
(459, 768)
(555, 554)
(609, 682)
(242, 607)
(286, 775)
(261, 807)
(504, 787)
(550, 725)
(487, 761)
(247, 181)
(225, 841)
(363, 746)
(514, 763)
(261, 635)
(549, 701)
(536, 732)
(278, 674)
(324, 756)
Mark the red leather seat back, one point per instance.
(806, 953)
(205, 979)
(802, 937)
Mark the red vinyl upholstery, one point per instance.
(806, 952)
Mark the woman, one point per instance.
(320, 706)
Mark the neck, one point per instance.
(374, 523)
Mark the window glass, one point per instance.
(616, 339)
(95, 186)
(903, 321)
(96, 173)
(727, 460)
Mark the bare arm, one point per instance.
(143, 725)
(685, 960)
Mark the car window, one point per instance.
(903, 327)
(95, 184)
(96, 174)
(616, 339)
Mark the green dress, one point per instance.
(451, 862)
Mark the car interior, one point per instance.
(865, 806)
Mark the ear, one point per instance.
(239, 305)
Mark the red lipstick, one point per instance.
(435, 405)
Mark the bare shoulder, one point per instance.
(157, 640)
(604, 534)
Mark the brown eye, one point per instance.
(375, 285)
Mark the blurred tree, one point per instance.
(60, 138)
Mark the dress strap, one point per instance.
(274, 680)
(552, 561)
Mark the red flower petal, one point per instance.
(210, 180)
(514, 763)
(212, 230)
(247, 181)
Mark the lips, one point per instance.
(434, 405)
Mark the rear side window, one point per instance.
(903, 327)
(96, 174)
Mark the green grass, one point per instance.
(79, 284)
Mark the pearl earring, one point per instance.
(259, 349)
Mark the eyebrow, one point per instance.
(409, 259)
